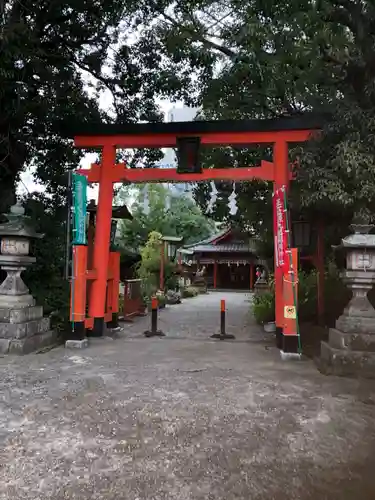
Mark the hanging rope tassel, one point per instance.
(213, 198)
(232, 201)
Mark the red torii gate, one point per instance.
(278, 132)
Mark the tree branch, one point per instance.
(198, 37)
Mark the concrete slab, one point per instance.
(184, 418)
(76, 344)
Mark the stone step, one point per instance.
(355, 324)
(345, 362)
(21, 330)
(20, 315)
(351, 341)
(28, 344)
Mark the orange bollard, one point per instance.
(154, 332)
(223, 335)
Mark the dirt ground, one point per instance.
(183, 417)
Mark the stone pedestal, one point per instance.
(350, 350)
(261, 287)
(23, 328)
(201, 284)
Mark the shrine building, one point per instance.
(230, 258)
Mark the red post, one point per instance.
(251, 276)
(116, 285)
(154, 303)
(108, 308)
(281, 174)
(215, 274)
(90, 239)
(90, 251)
(320, 269)
(102, 237)
(162, 261)
(78, 292)
(154, 332)
(223, 335)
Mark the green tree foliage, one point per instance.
(149, 267)
(56, 58)
(268, 58)
(45, 277)
(182, 218)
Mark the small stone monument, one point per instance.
(200, 281)
(351, 347)
(261, 285)
(22, 326)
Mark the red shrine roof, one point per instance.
(226, 241)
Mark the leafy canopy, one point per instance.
(268, 58)
(56, 57)
(178, 217)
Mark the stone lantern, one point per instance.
(351, 346)
(22, 326)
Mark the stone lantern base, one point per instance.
(351, 355)
(24, 330)
(350, 350)
(22, 326)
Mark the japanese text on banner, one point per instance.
(279, 215)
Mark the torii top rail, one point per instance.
(277, 132)
(157, 135)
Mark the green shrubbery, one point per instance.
(336, 297)
(189, 291)
(149, 267)
(264, 307)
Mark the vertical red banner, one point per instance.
(279, 228)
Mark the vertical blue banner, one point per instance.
(79, 209)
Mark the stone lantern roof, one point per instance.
(18, 224)
(360, 238)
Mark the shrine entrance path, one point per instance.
(199, 317)
(157, 419)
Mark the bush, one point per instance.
(121, 304)
(307, 295)
(189, 291)
(173, 297)
(264, 308)
(336, 296)
(162, 299)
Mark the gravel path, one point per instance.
(199, 318)
(164, 419)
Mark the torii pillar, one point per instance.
(102, 239)
(281, 178)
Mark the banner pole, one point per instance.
(68, 225)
